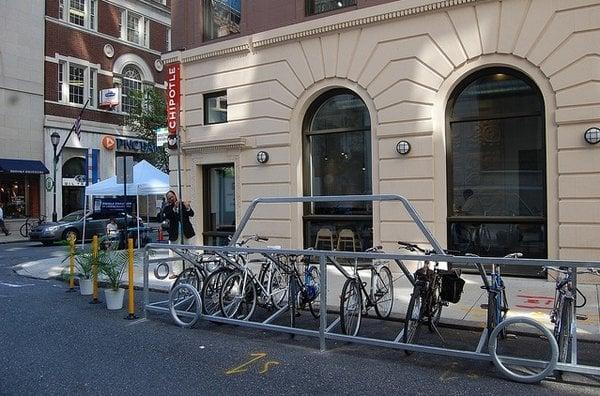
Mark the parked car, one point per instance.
(72, 226)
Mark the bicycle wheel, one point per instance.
(313, 291)
(350, 307)
(563, 338)
(238, 296)
(25, 229)
(211, 290)
(384, 292)
(278, 288)
(185, 305)
(190, 276)
(435, 305)
(516, 368)
(293, 299)
(413, 317)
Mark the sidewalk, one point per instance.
(14, 237)
(526, 297)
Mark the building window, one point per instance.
(320, 6)
(80, 85)
(215, 108)
(132, 82)
(221, 18)
(79, 12)
(496, 165)
(337, 161)
(168, 40)
(134, 28)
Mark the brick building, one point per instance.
(91, 46)
(484, 113)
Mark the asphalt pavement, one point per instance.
(54, 342)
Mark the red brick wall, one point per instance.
(83, 45)
(257, 16)
(109, 18)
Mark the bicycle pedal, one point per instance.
(581, 317)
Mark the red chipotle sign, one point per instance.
(173, 104)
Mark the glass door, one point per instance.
(219, 204)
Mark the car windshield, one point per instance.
(75, 216)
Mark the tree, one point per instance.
(147, 115)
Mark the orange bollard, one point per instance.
(131, 302)
(95, 270)
(160, 234)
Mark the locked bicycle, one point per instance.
(433, 289)
(303, 286)
(30, 224)
(497, 303)
(243, 289)
(563, 312)
(356, 298)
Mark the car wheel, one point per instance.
(71, 233)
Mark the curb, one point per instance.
(15, 241)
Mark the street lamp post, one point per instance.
(55, 139)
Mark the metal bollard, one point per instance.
(95, 270)
(71, 265)
(131, 301)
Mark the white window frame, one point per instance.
(143, 27)
(90, 83)
(90, 19)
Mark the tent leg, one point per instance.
(137, 215)
(85, 201)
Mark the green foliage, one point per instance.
(148, 115)
(113, 267)
(84, 262)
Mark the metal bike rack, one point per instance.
(325, 329)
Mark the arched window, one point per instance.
(337, 161)
(496, 165)
(74, 168)
(132, 81)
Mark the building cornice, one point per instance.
(215, 145)
(276, 36)
(103, 35)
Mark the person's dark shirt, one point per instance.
(171, 213)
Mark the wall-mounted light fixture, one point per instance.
(403, 147)
(592, 135)
(262, 157)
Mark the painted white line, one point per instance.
(13, 285)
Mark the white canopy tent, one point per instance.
(147, 180)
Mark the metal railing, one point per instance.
(325, 329)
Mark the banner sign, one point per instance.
(113, 206)
(109, 97)
(173, 103)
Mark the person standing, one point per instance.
(2, 226)
(171, 213)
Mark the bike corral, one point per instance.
(186, 299)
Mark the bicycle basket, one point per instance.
(452, 287)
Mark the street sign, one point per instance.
(124, 168)
(161, 136)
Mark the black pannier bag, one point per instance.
(452, 286)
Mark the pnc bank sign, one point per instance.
(128, 145)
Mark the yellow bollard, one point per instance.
(95, 270)
(71, 265)
(131, 302)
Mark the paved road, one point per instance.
(53, 342)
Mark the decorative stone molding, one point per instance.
(215, 145)
(359, 22)
(217, 53)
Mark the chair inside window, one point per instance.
(324, 237)
(346, 240)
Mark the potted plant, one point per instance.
(112, 268)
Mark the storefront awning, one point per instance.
(22, 166)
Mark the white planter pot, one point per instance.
(85, 287)
(114, 298)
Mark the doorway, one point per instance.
(219, 204)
